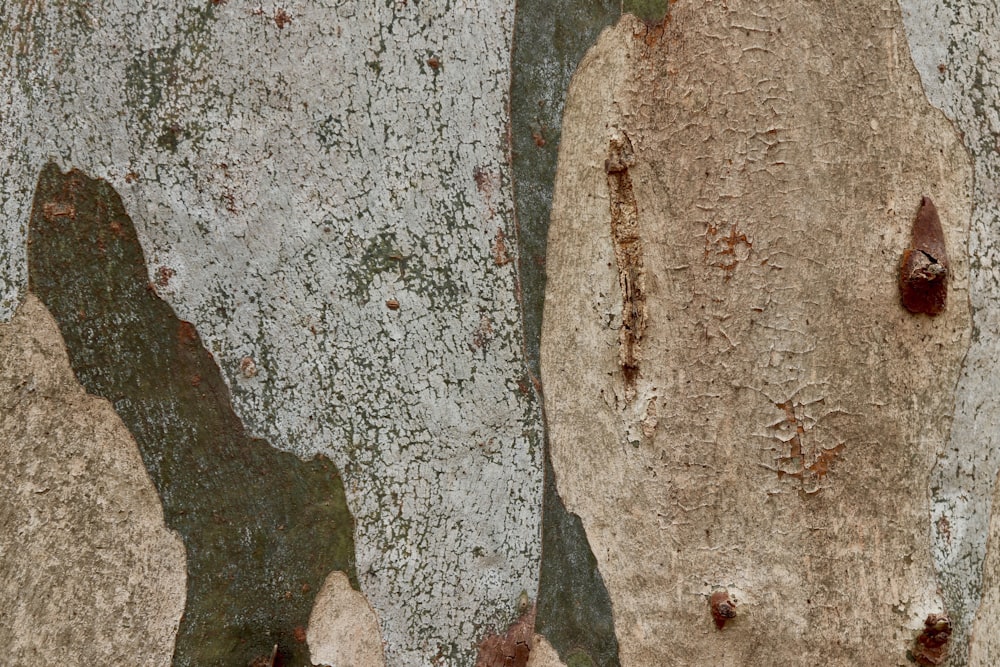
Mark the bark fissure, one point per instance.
(628, 255)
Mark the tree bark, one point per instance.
(312, 234)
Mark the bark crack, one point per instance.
(628, 254)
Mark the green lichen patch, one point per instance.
(262, 528)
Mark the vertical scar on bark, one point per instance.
(262, 528)
(628, 254)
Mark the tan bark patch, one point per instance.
(543, 655)
(343, 630)
(91, 575)
(984, 644)
(779, 162)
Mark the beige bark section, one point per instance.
(787, 410)
(984, 646)
(91, 575)
(543, 655)
(343, 630)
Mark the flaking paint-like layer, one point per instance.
(290, 173)
(780, 159)
(91, 575)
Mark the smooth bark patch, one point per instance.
(550, 37)
(262, 528)
(91, 574)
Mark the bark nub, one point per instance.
(923, 275)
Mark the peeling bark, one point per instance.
(800, 407)
(261, 527)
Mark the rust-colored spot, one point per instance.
(500, 254)
(163, 275)
(392, 304)
(923, 274)
(483, 180)
(248, 367)
(512, 648)
(538, 138)
(726, 249)
(723, 608)
(281, 18)
(931, 648)
(299, 633)
(944, 528)
(306, 588)
(483, 334)
(195, 380)
(433, 62)
(186, 332)
(132, 177)
(230, 201)
(57, 209)
(808, 467)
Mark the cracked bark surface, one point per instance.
(799, 407)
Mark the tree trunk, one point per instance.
(273, 281)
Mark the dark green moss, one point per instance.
(262, 528)
(650, 11)
(550, 38)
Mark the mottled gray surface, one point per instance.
(956, 47)
(291, 169)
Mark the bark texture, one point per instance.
(343, 629)
(91, 575)
(318, 189)
(956, 47)
(325, 194)
(787, 411)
